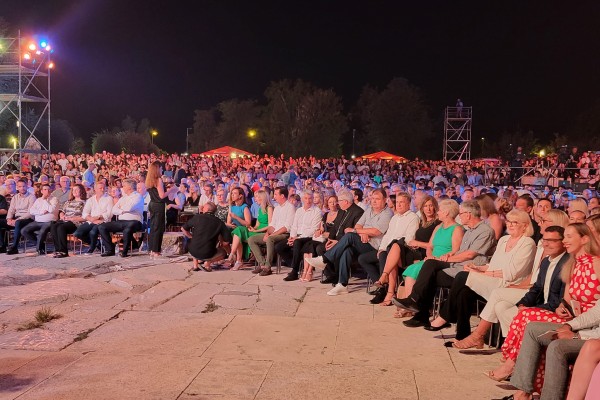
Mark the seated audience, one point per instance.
(70, 217)
(44, 211)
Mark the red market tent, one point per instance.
(226, 151)
(382, 155)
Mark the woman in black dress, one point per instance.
(156, 208)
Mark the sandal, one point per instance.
(388, 300)
(237, 266)
(491, 375)
(471, 341)
(400, 313)
(205, 266)
(378, 283)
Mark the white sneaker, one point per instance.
(338, 289)
(317, 262)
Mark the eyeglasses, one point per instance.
(510, 222)
(464, 212)
(551, 240)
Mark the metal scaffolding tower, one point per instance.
(457, 134)
(24, 99)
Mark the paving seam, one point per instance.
(54, 374)
(416, 385)
(172, 297)
(262, 382)
(88, 331)
(193, 379)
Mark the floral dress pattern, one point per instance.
(583, 288)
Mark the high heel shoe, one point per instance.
(471, 341)
(379, 283)
(388, 299)
(309, 275)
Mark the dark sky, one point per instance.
(520, 64)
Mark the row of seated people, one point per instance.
(33, 218)
(522, 282)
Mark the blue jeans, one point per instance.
(345, 249)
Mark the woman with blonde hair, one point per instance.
(241, 233)
(156, 207)
(580, 273)
(510, 264)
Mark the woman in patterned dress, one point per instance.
(581, 275)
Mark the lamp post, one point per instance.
(482, 145)
(152, 134)
(187, 140)
(252, 135)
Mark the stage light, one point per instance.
(48, 48)
(50, 65)
(43, 43)
(32, 47)
(38, 53)
(27, 56)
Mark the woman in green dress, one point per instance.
(242, 233)
(445, 240)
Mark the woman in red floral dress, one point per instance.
(581, 274)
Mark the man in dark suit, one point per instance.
(347, 217)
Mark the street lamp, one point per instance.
(252, 133)
(482, 145)
(14, 142)
(152, 134)
(353, 136)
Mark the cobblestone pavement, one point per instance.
(149, 329)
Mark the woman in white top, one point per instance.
(510, 264)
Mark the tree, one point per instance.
(397, 118)
(585, 130)
(135, 142)
(78, 146)
(300, 119)
(237, 118)
(205, 134)
(105, 141)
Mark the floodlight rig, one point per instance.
(25, 65)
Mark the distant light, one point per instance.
(43, 43)
(154, 133)
(48, 48)
(27, 56)
(50, 65)
(13, 140)
(542, 153)
(482, 138)
(252, 133)
(32, 47)
(38, 52)
(233, 155)
(184, 154)
(353, 156)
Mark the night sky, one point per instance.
(520, 64)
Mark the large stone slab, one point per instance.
(142, 332)
(14, 359)
(29, 375)
(193, 300)
(435, 385)
(113, 376)
(335, 310)
(220, 276)
(155, 296)
(287, 380)
(260, 337)
(386, 345)
(54, 291)
(231, 379)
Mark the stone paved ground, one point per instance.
(145, 329)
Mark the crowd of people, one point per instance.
(419, 231)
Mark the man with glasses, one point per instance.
(478, 242)
(63, 192)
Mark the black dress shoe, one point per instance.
(449, 343)
(329, 279)
(41, 252)
(124, 254)
(415, 323)
(437, 328)
(377, 289)
(406, 304)
(291, 277)
(60, 255)
(107, 254)
(12, 250)
(379, 297)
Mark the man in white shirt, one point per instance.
(278, 230)
(44, 210)
(307, 220)
(97, 210)
(129, 211)
(18, 215)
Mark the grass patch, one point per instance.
(210, 307)
(41, 316)
(83, 335)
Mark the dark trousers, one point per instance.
(372, 264)
(157, 226)
(459, 305)
(342, 253)
(60, 230)
(88, 233)
(37, 231)
(127, 227)
(19, 225)
(430, 277)
(293, 255)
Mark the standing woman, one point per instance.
(156, 207)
